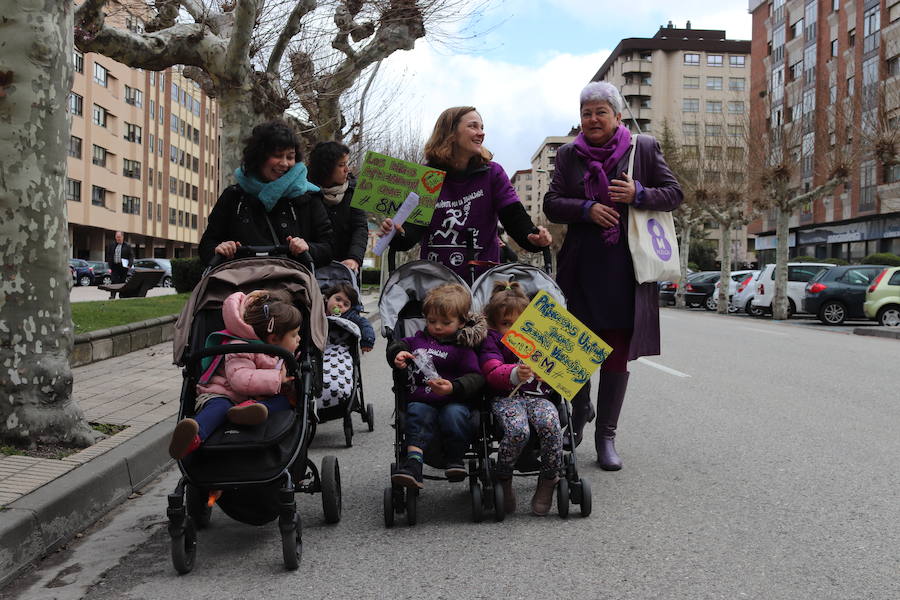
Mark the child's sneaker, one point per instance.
(185, 439)
(455, 472)
(409, 475)
(248, 413)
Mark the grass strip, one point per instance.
(90, 316)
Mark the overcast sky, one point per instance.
(525, 73)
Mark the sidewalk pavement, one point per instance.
(88, 293)
(45, 502)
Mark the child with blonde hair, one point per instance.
(520, 399)
(445, 381)
(243, 388)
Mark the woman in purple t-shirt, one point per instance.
(475, 194)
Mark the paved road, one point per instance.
(760, 462)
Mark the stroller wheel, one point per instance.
(499, 501)
(196, 504)
(477, 506)
(370, 417)
(331, 489)
(348, 432)
(562, 498)
(292, 545)
(412, 496)
(389, 506)
(184, 547)
(585, 497)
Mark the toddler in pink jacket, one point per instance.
(243, 387)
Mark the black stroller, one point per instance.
(342, 354)
(571, 488)
(252, 472)
(400, 306)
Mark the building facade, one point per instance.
(143, 158)
(543, 163)
(829, 71)
(523, 183)
(695, 80)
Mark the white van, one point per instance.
(798, 276)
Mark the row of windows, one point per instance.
(731, 152)
(715, 60)
(183, 189)
(735, 84)
(186, 99)
(184, 159)
(181, 127)
(735, 107)
(131, 205)
(711, 130)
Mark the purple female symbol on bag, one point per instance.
(661, 245)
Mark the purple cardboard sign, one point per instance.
(661, 245)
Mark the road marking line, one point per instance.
(764, 331)
(662, 368)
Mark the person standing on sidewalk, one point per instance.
(592, 194)
(476, 193)
(119, 256)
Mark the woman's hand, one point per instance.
(524, 372)
(602, 215)
(387, 225)
(542, 238)
(228, 249)
(441, 387)
(401, 359)
(352, 264)
(297, 245)
(622, 190)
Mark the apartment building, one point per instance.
(543, 163)
(830, 72)
(524, 186)
(143, 158)
(698, 82)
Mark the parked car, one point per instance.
(84, 272)
(837, 294)
(883, 298)
(799, 274)
(737, 278)
(155, 263)
(102, 272)
(700, 287)
(667, 289)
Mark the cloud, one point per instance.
(520, 104)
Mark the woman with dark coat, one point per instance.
(272, 203)
(592, 194)
(329, 169)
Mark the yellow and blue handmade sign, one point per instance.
(556, 345)
(385, 182)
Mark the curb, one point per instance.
(115, 341)
(882, 332)
(47, 518)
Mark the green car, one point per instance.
(883, 298)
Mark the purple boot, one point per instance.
(609, 405)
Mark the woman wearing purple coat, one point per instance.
(592, 194)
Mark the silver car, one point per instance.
(156, 263)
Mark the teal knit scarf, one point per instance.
(290, 185)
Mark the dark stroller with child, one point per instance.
(252, 472)
(571, 488)
(400, 306)
(342, 393)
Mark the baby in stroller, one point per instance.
(242, 387)
(444, 380)
(520, 398)
(342, 300)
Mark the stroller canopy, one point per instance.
(531, 278)
(246, 275)
(411, 282)
(336, 272)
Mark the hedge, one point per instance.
(371, 276)
(186, 273)
(882, 258)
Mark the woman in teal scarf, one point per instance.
(272, 203)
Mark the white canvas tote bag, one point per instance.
(651, 239)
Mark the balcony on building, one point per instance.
(630, 67)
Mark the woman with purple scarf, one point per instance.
(592, 194)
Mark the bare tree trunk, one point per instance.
(780, 300)
(683, 250)
(35, 317)
(238, 120)
(725, 272)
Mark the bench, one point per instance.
(136, 286)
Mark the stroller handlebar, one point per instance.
(245, 251)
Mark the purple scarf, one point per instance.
(599, 160)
